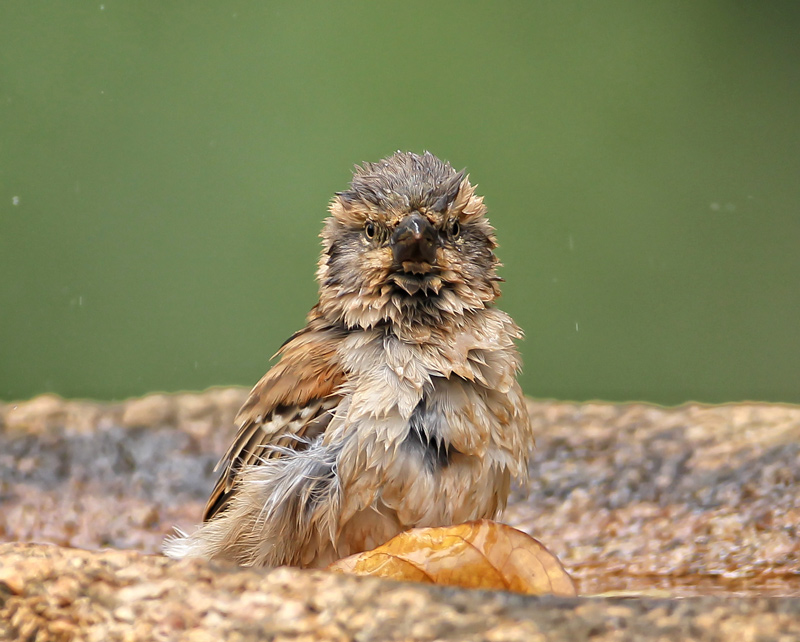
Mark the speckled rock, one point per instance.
(35, 416)
(49, 593)
(153, 410)
(635, 500)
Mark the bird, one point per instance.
(398, 404)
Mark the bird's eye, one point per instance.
(369, 230)
(455, 230)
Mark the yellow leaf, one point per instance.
(481, 554)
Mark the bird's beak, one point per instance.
(414, 241)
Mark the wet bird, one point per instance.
(397, 405)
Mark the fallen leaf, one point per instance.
(481, 554)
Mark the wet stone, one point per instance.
(630, 497)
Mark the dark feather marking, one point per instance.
(424, 436)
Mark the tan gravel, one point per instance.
(48, 593)
(694, 500)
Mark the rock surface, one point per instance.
(648, 501)
(51, 593)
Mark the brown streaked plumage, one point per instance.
(397, 406)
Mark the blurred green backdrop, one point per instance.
(165, 168)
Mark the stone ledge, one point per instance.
(52, 593)
(687, 501)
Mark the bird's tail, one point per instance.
(283, 510)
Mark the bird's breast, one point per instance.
(427, 431)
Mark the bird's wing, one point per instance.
(291, 405)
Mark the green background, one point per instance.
(165, 168)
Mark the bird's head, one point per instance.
(407, 243)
